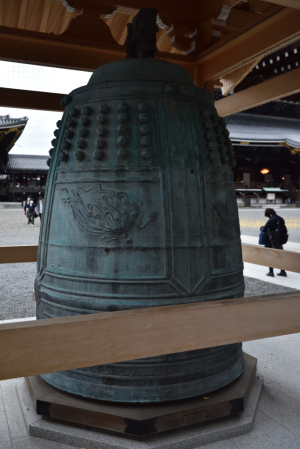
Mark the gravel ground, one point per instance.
(254, 287)
(16, 290)
(17, 280)
(14, 229)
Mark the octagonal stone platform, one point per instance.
(85, 436)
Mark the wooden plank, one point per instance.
(263, 37)
(287, 3)
(58, 51)
(268, 257)
(58, 344)
(281, 86)
(18, 254)
(174, 10)
(278, 87)
(33, 49)
(288, 260)
(54, 51)
(27, 99)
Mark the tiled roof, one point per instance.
(27, 162)
(6, 121)
(258, 128)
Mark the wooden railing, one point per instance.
(269, 257)
(58, 344)
(286, 260)
(18, 254)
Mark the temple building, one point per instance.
(20, 175)
(266, 142)
(266, 138)
(10, 131)
(23, 175)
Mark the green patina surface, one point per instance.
(140, 211)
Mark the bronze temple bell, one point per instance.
(140, 211)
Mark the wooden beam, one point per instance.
(281, 86)
(173, 10)
(287, 3)
(36, 48)
(27, 99)
(74, 342)
(268, 257)
(284, 260)
(278, 87)
(263, 37)
(57, 51)
(18, 254)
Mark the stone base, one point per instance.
(94, 439)
(142, 421)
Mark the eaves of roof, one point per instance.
(258, 128)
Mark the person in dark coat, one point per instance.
(30, 211)
(269, 227)
(26, 204)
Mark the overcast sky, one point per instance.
(38, 133)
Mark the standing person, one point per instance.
(276, 232)
(30, 211)
(39, 207)
(25, 205)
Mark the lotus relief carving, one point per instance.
(112, 213)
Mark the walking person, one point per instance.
(39, 207)
(31, 211)
(277, 235)
(26, 203)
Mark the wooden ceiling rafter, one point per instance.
(264, 37)
(188, 30)
(61, 51)
(55, 51)
(208, 40)
(280, 61)
(46, 16)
